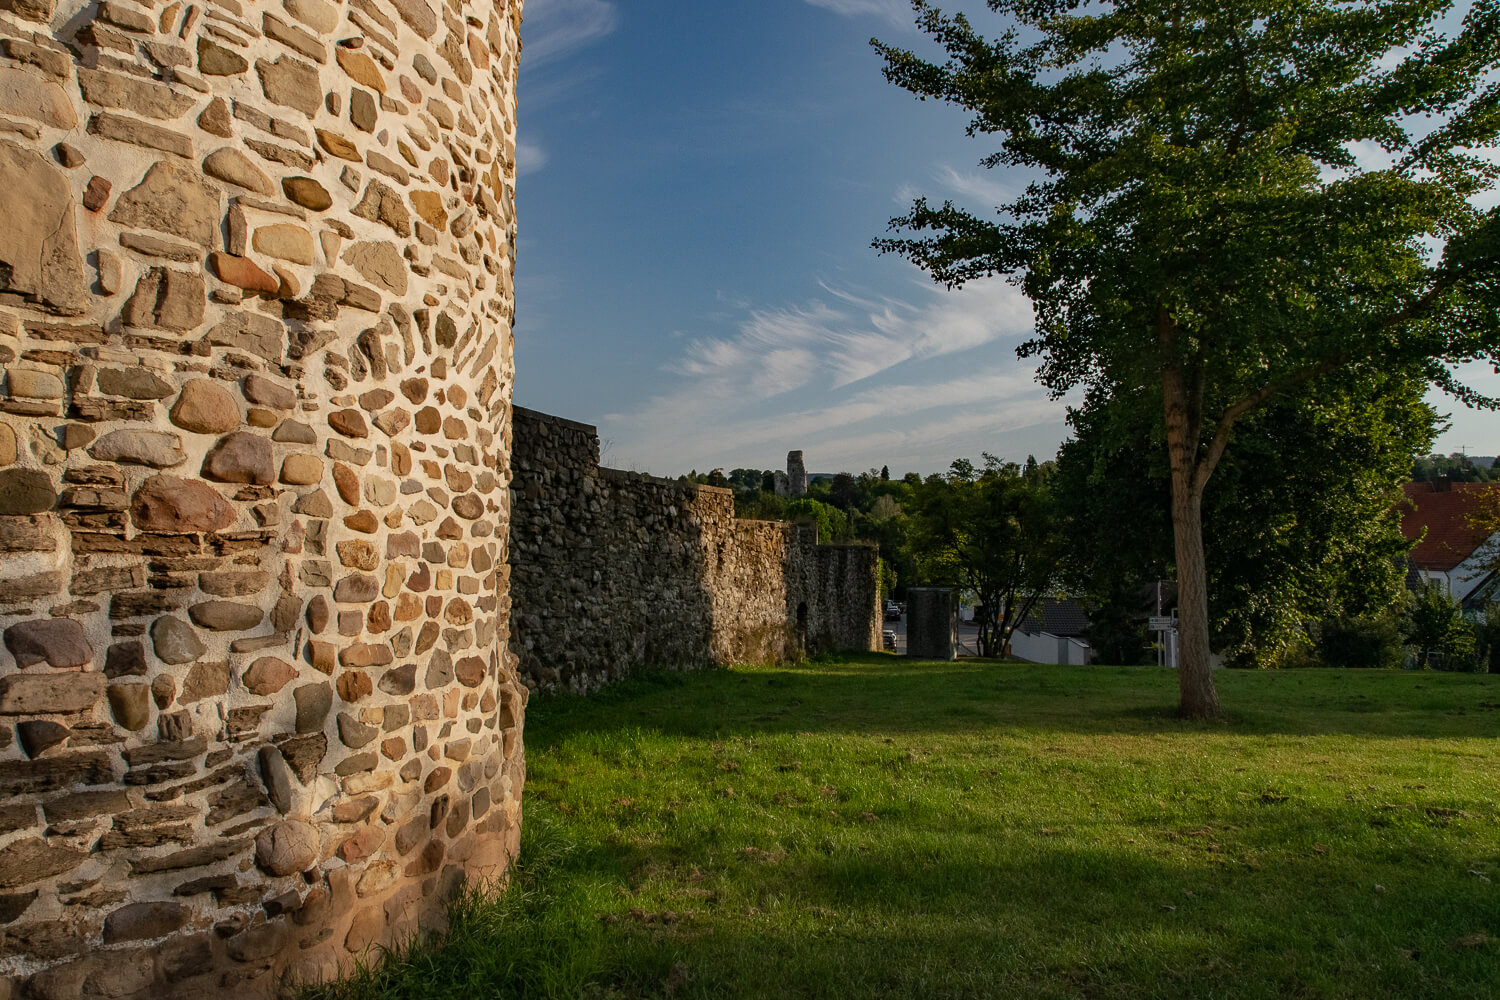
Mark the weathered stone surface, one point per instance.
(361, 69)
(349, 422)
(336, 145)
(225, 616)
(381, 203)
(285, 242)
(259, 389)
(322, 17)
(38, 242)
(206, 679)
(205, 406)
(276, 775)
(353, 733)
(241, 457)
(307, 192)
(166, 299)
(46, 694)
(230, 165)
(313, 701)
(142, 921)
(133, 94)
(174, 641)
(291, 83)
(133, 383)
(234, 583)
(362, 112)
(380, 264)
(28, 383)
(418, 15)
(25, 491)
(179, 506)
(172, 198)
(267, 675)
(156, 449)
(23, 862)
(356, 588)
(260, 335)
(27, 95)
(242, 272)
(125, 659)
(130, 704)
(286, 848)
(58, 642)
(37, 736)
(301, 470)
(429, 205)
(216, 60)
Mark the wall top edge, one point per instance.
(556, 421)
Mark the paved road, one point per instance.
(968, 637)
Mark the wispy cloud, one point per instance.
(846, 378)
(897, 12)
(529, 158)
(557, 28)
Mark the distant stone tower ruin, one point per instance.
(796, 475)
(256, 712)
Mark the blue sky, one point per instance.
(699, 185)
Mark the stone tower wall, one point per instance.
(255, 308)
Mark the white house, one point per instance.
(1450, 549)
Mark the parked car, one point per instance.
(892, 611)
(890, 640)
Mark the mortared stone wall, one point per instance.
(255, 305)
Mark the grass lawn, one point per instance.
(874, 827)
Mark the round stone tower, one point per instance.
(255, 309)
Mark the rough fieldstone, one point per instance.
(28, 383)
(13, 905)
(336, 145)
(171, 198)
(268, 674)
(353, 733)
(277, 778)
(58, 642)
(429, 205)
(205, 406)
(216, 60)
(260, 335)
(307, 192)
(379, 263)
(242, 272)
(290, 83)
(381, 203)
(25, 491)
(286, 848)
(361, 69)
(175, 641)
(349, 422)
(285, 242)
(156, 449)
(37, 736)
(241, 457)
(166, 299)
(141, 921)
(9, 446)
(420, 17)
(356, 588)
(401, 681)
(316, 14)
(301, 470)
(32, 859)
(226, 616)
(125, 659)
(362, 111)
(258, 942)
(133, 383)
(234, 583)
(38, 241)
(27, 95)
(206, 679)
(130, 704)
(142, 97)
(48, 694)
(229, 164)
(261, 390)
(314, 701)
(179, 506)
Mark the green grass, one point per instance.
(872, 827)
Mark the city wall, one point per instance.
(614, 571)
(255, 302)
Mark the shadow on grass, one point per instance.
(888, 695)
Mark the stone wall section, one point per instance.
(255, 308)
(615, 571)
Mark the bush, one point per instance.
(1372, 641)
(1444, 640)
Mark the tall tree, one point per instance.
(992, 532)
(1199, 226)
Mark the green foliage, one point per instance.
(873, 827)
(1443, 637)
(995, 534)
(1197, 228)
(833, 524)
(1456, 468)
(1369, 641)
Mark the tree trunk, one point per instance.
(1200, 700)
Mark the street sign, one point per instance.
(1163, 624)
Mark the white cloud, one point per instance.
(897, 12)
(846, 378)
(529, 158)
(556, 28)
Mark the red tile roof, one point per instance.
(1444, 514)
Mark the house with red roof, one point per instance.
(1449, 549)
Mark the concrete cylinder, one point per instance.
(256, 718)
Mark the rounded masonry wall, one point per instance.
(255, 307)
